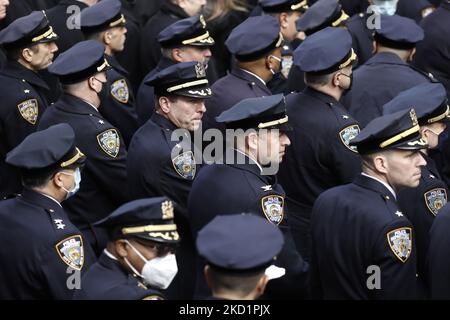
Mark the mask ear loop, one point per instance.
(277, 59)
(139, 255)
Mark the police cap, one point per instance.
(104, 15)
(149, 218)
(398, 32)
(276, 6)
(241, 243)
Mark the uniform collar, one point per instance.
(116, 65)
(386, 57)
(163, 122)
(16, 70)
(255, 75)
(106, 259)
(375, 184)
(325, 98)
(40, 200)
(250, 165)
(250, 77)
(74, 104)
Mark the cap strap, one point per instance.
(400, 136)
(343, 17)
(104, 65)
(280, 40)
(273, 123)
(440, 117)
(299, 5)
(74, 159)
(150, 228)
(349, 60)
(199, 38)
(121, 20)
(187, 85)
(48, 33)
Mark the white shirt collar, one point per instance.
(256, 76)
(46, 195)
(248, 156)
(110, 255)
(383, 183)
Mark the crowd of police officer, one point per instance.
(105, 193)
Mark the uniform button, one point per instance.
(51, 210)
(253, 83)
(387, 198)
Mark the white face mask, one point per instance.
(157, 272)
(386, 7)
(77, 177)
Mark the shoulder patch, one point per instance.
(185, 165)
(400, 242)
(349, 133)
(71, 251)
(435, 199)
(154, 297)
(29, 110)
(273, 208)
(120, 91)
(109, 141)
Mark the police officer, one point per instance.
(29, 45)
(423, 203)
(256, 45)
(320, 156)
(138, 260)
(82, 71)
(363, 246)
(162, 160)
(246, 182)
(387, 73)
(239, 274)
(183, 41)
(322, 14)
(287, 13)
(42, 249)
(105, 23)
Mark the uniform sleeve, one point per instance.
(17, 126)
(394, 253)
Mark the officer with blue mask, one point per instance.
(138, 262)
(45, 242)
(423, 203)
(363, 245)
(82, 72)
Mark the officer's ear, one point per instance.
(380, 162)
(164, 104)
(107, 37)
(177, 55)
(121, 248)
(252, 140)
(283, 19)
(374, 47)
(27, 54)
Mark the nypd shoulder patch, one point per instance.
(71, 251)
(153, 297)
(435, 199)
(400, 242)
(120, 91)
(349, 133)
(273, 208)
(109, 141)
(29, 110)
(185, 165)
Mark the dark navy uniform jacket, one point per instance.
(104, 173)
(421, 205)
(153, 172)
(41, 249)
(23, 103)
(439, 256)
(223, 189)
(118, 107)
(361, 36)
(354, 227)
(145, 98)
(229, 90)
(378, 81)
(108, 280)
(319, 157)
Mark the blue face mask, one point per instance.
(386, 7)
(77, 177)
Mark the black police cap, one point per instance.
(254, 38)
(80, 62)
(241, 243)
(325, 52)
(429, 100)
(276, 6)
(104, 15)
(257, 113)
(150, 219)
(186, 32)
(399, 130)
(398, 32)
(322, 14)
(54, 146)
(182, 79)
(26, 31)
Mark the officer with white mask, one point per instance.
(138, 261)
